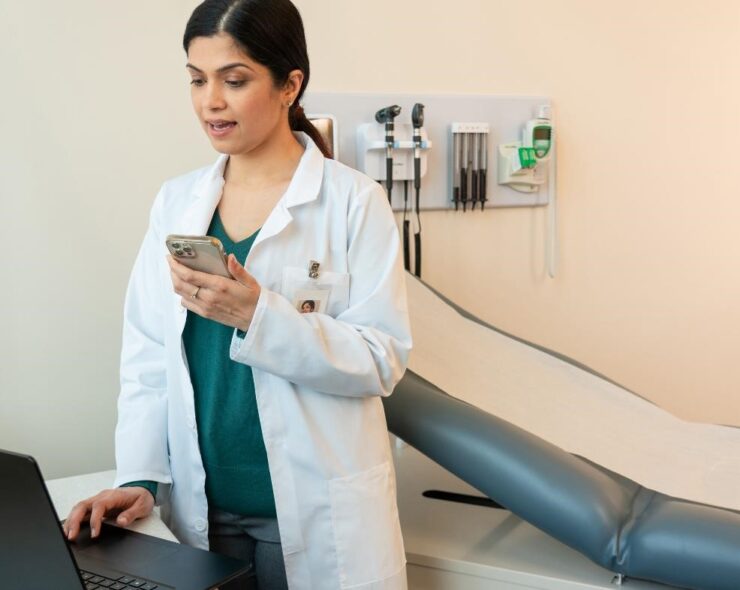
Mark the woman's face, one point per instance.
(234, 97)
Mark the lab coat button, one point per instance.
(200, 525)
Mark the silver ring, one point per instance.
(195, 295)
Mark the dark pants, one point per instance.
(255, 540)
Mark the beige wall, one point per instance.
(95, 115)
(647, 101)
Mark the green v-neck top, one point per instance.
(229, 431)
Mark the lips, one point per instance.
(220, 125)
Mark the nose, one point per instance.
(214, 99)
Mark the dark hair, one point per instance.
(271, 33)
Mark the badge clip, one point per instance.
(313, 270)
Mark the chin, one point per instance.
(226, 147)
(226, 150)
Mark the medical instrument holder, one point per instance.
(504, 114)
(470, 164)
(371, 151)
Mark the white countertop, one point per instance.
(67, 491)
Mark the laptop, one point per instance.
(34, 554)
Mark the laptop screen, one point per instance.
(33, 552)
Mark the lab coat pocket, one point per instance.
(367, 532)
(328, 293)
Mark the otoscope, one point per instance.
(475, 139)
(483, 173)
(417, 119)
(464, 171)
(456, 138)
(386, 115)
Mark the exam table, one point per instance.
(626, 527)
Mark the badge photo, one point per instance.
(311, 300)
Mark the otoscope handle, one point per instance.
(417, 254)
(406, 253)
(389, 132)
(482, 181)
(464, 187)
(474, 187)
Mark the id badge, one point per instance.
(309, 300)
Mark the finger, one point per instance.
(139, 509)
(193, 277)
(99, 509)
(239, 272)
(76, 516)
(181, 287)
(173, 262)
(72, 524)
(193, 305)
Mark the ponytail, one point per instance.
(299, 122)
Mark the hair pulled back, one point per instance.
(271, 33)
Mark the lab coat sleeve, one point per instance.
(141, 431)
(364, 350)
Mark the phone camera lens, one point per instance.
(178, 252)
(187, 249)
(176, 245)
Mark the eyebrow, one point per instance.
(222, 68)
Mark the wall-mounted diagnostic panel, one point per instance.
(454, 151)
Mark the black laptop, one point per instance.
(34, 555)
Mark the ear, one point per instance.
(293, 85)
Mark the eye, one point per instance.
(197, 82)
(235, 83)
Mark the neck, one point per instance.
(273, 161)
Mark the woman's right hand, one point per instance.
(128, 503)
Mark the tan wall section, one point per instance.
(95, 115)
(647, 101)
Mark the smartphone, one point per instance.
(202, 253)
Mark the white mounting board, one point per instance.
(505, 114)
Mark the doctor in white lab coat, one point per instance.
(319, 377)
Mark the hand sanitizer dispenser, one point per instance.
(522, 164)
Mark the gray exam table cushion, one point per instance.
(617, 523)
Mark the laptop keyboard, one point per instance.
(97, 582)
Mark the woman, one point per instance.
(260, 429)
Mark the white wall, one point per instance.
(95, 114)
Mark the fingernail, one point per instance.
(94, 532)
(122, 520)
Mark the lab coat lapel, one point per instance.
(303, 188)
(197, 217)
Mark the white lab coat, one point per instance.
(319, 377)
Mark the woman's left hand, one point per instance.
(228, 301)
